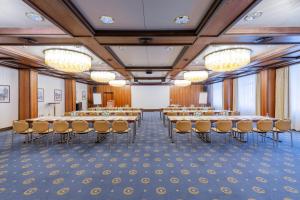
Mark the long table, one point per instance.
(130, 119)
(192, 112)
(174, 119)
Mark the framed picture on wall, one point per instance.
(40, 94)
(57, 95)
(83, 95)
(4, 94)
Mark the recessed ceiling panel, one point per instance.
(272, 13)
(143, 14)
(38, 51)
(147, 55)
(13, 15)
(154, 74)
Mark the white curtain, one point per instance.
(294, 96)
(217, 98)
(282, 93)
(246, 95)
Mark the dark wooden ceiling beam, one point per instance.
(24, 40)
(152, 68)
(264, 31)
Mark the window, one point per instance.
(294, 95)
(246, 95)
(217, 98)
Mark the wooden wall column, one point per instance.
(228, 94)
(70, 95)
(28, 86)
(267, 87)
(185, 96)
(90, 96)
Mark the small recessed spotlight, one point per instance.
(34, 16)
(253, 16)
(107, 19)
(182, 19)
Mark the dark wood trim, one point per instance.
(6, 129)
(144, 33)
(264, 31)
(152, 68)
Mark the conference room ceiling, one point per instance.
(148, 56)
(144, 31)
(143, 14)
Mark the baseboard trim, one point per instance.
(5, 129)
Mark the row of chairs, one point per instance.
(63, 128)
(263, 127)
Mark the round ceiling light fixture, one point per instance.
(107, 19)
(227, 59)
(102, 76)
(67, 60)
(117, 83)
(195, 76)
(182, 83)
(34, 17)
(184, 19)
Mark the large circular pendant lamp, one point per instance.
(195, 76)
(117, 83)
(227, 59)
(102, 77)
(182, 83)
(68, 60)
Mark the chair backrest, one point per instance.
(81, 114)
(80, 126)
(171, 113)
(101, 126)
(184, 113)
(203, 126)
(40, 126)
(224, 125)
(20, 126)
(283, 125)
(60, 126)
(184, 126)
(234, 113)
(120, 126)
(121, 113)
(208, 113)
(244, 125)
(92, 113)
(67, 113)
(265, 125)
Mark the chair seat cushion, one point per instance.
(26, 132)
(278, 130)
(180, 132)
(65, 132)
(126, 131)
(196, 130)
(218, 131)
(105, 132)
(238, 130)
(259, 131)
(50, 130)
(84, 132)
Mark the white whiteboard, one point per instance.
(150, 97)
(203, 98)
(97, 98)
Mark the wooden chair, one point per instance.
(21, 127)
(282, 126)
(223, 127)
(120, 127)
(234, 113)
(263, 127)
(202, 128)
(81, 127)
(62, 128)
(41, 128)
(208, 113)
(101, 128)
(183, 127)
(68, 113)
(243, 127)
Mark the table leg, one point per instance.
(171, 132)
(164, 120)
(134, 131)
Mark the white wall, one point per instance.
(80, 87)
(9, 111)
(150, 97)
(49, 84)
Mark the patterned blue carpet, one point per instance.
(152, 168)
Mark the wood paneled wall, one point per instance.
(267, 88)
(121, 95)
(185, 96)
(70, 95)
(28, 87)
(228, 94)
(90, 92)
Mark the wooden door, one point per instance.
(107, 96)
